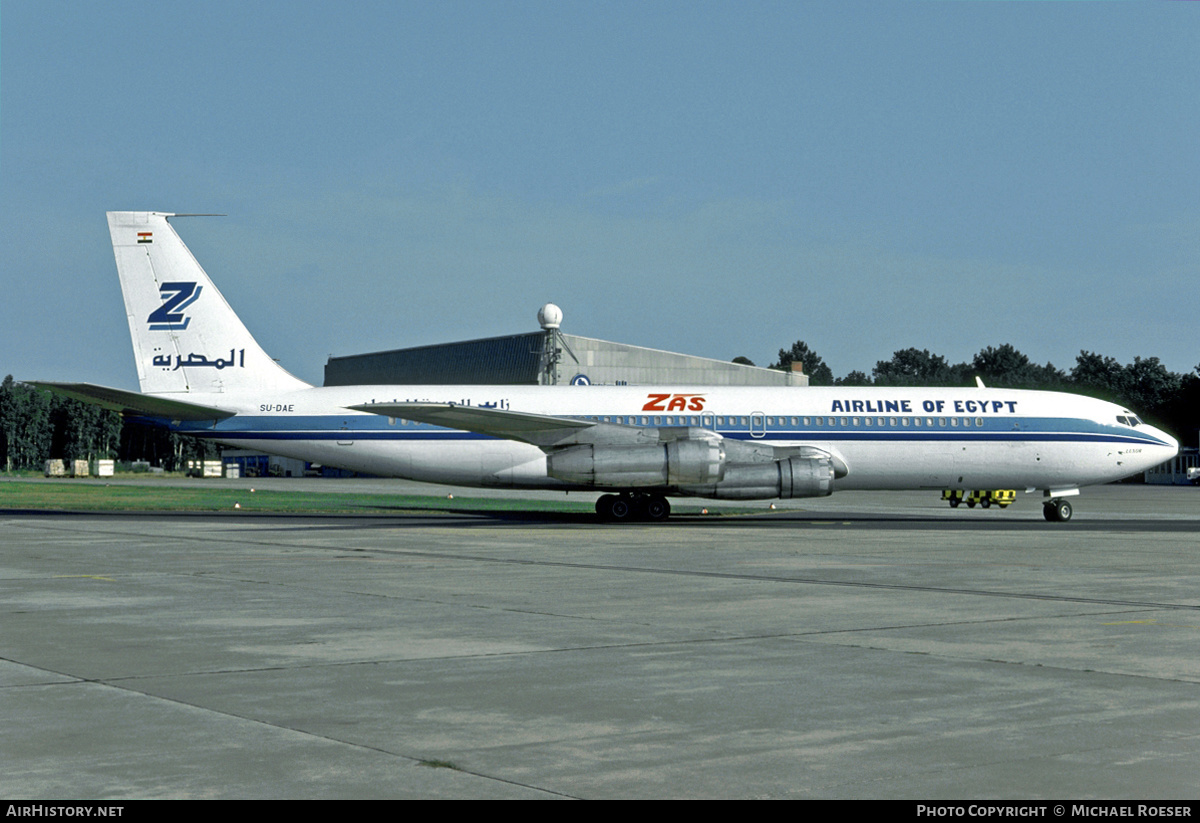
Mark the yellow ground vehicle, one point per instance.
(985, 498)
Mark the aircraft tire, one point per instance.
(604, 506)
(657, 508)
(1057, 511)
(616, 508)
(620, 509)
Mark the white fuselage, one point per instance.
(901, 438)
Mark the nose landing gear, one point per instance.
(1057, 510)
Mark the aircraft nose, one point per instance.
(1169, 445)
(1157, 448)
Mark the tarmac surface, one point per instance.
(866, 645)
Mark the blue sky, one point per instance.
(714, 178)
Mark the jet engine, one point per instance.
(794, 477)
(677, 463)
(696, 467)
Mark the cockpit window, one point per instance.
(1129, 420)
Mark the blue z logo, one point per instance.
(169, 316)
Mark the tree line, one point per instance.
(1165, 398)
(36, 426)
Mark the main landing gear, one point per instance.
(627, 506)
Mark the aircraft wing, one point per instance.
(550, 433)
(543, 430)
(133, 403)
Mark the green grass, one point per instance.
(140, 492)
(69, 495)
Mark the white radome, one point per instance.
(550, 316)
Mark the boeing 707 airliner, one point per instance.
(202, 373)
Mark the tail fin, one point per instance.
(186, 338)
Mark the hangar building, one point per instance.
(548, 357)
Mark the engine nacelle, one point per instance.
(794, 477)
(677, 463)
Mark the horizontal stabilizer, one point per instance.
(133, 403)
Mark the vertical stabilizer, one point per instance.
(186, 338)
